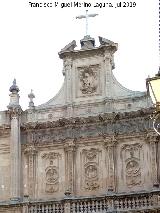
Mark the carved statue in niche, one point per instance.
(88, 80)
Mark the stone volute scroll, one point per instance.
(110, 145)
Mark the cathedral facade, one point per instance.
(91, 148)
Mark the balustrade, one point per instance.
(138, 202)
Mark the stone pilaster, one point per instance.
(152, 139)
(109, 144)
(31, 154)
(68, 71)
(70, 167)
(15, 153)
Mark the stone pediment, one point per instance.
(90, 86)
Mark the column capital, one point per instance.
(151, 137)
(14, 111)
(30, 150)
(70, 145)
(109, 141)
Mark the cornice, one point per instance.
(81, 121)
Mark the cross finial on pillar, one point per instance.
(86, 17)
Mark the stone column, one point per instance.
(70, 167)
(15, 143)
(110, 149)
(15, 151)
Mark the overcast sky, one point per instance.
(30, 39)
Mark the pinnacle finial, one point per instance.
(14, 87)
(31, 96)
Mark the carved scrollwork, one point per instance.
(51, 155)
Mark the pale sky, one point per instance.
(30, 39)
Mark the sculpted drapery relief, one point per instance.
(131, 159)
(51, 172)
(90, 163)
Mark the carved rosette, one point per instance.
(153, 143)
(132, 164)
(69, 148)
(110, 144)
(90, 174)
(51, 172)
(31, 154)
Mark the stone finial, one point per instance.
(87, 42)
(31, 96)
(14, 88)
(14, 97)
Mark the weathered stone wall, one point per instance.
(90, 156)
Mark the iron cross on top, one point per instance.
(86, 17)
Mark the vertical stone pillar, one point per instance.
(152, 139)
(15, 151)
(15, 143)
(110, 154)
(67, 66)
(31, 154)
(70, 167)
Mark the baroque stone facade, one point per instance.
(90, 149)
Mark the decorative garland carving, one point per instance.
(131, 156)
(52, 178)
(52, 171)
(90, 161)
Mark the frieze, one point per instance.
(93, 126)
